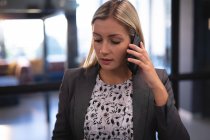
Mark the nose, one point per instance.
(104, 48)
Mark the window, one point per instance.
(56, 38)
(22, 38)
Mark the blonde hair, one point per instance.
(125, 13)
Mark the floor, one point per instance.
(27, 120)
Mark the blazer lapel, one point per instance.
(85, 84)
(140, 106)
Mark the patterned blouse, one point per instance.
(110, 112)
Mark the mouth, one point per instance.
(106, 61)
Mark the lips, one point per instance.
(106, 61)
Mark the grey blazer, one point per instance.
(149, 120)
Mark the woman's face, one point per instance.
(110, 40)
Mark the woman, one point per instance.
(106, 98)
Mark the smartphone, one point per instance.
(134, 40)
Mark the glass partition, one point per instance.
(32, 50)
(21, 49)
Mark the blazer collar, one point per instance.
(140, 102)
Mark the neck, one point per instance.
(115, 77)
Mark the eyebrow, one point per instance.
(111, 35)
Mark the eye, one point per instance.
(115, 42)
(98, 40)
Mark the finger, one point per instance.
(138, 55)
(137, 62)
(139, 48)
(135, 47)
(132, 52)
(142, 45)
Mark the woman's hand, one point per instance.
(148, 72)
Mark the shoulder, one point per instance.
(74, 73)
(70, 75)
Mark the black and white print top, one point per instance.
(110, 112)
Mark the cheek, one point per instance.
(121, 53)
(96, 49)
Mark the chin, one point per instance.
(106, 68)
(109, 68)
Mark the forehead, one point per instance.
(107, 26)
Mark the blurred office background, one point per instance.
(39, 39)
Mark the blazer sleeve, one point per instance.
(169, 124)
(62, 130)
